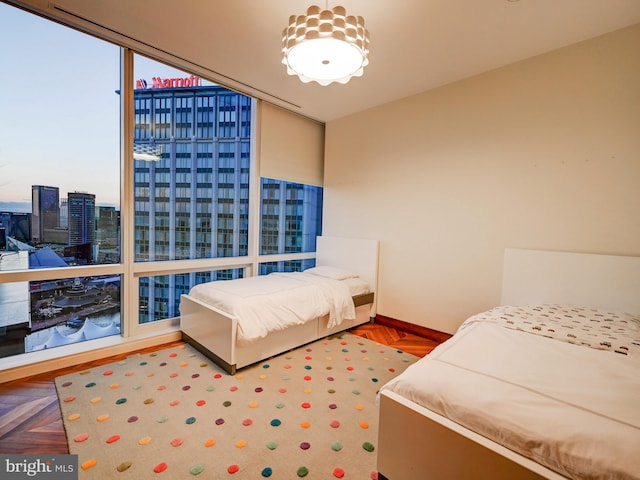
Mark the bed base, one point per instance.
(415, 442)
(213, 332)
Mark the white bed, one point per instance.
(544, 386)
(241, 322)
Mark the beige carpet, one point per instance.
(310, 413)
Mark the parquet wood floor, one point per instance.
(30, 418)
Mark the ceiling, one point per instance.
(415, 45)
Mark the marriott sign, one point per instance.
(158, 82)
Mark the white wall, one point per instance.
(541, 154)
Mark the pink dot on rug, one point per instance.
(173, 375)
(335, 424)
(173, 355)
(247, 421)
(287, 366)
(282, 390)
(374, 475)
(107, 373)
(233, 389)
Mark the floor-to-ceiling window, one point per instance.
(59, 185)
(95, 243)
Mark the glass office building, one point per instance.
(192, 147)
(45, 216)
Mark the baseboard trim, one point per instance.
(419, 330)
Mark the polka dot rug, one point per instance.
(308, 413)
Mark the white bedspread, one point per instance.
(267, 303)
(572, 408)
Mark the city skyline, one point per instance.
(62, 151)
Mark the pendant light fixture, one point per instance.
(325, 46)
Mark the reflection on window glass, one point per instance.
(191, 166)
(160, 295)
(290, 217)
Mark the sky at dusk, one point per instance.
(59, 110)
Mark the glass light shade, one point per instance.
(325, 46)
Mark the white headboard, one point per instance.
(574, 279)
(359, 255)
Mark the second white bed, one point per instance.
(541, 382)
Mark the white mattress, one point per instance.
(573, 408)
(267, 303)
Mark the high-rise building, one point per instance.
(82, 245)
(17, 225)
(45, 212)
(82, 218)
(192, 148)
(192, 160)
